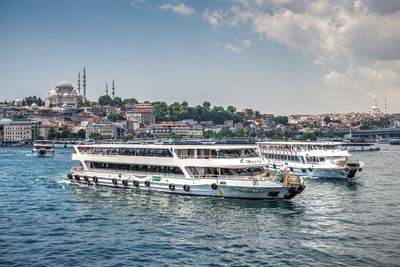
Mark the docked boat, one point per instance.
(358, 146)
(394, 141)
(232, 171)
(312, 159)
(43, 150)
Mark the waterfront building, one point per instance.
(141, 112)
(63, 93)
(44, 130)
(105, 129)
(18, 131)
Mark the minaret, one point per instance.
(376, 103)
(84, 84)
(106, 89)
(384, 109)
(113, 90)
(79, 83)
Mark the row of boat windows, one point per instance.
(283, 157)
(150, 152)
(294, 158)
(139, 168)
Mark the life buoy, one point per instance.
(114, 181)
(214, 186)
(135, 183)
(77, 178)
(69, 175)
(186, 188)
(303, 170)
(125, 182)
(360, 169)
(346, 169)
(86, 178)
(95, 180)
(147, 183)
(171, 187)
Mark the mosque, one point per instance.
(375, 111)
(65, 94)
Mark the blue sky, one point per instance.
(276, 56)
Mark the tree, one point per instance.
(81, 133)
(105, 100)
(52, 134)
(327, 120)
(96, 136)
(231, 109)
(206, 105)
(184, 104)
(117, 101)
(281, 120)
(129, 100)
(115, 116)
(39, 137)
(18, 116)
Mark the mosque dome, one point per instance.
(64, 83)
(65, 106)
(34, 105)
(65, 95)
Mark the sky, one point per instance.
(275, 56)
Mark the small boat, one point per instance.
(394, 141)
(43, 150)
(229, 171)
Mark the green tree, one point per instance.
(105, 100)
(115, 116)
(231, 109)
(281, 120)
(130, 100)
(18, 116)
(118, 101)
(81, 133)
(327, 120)
(96, 136)
(206, 105)
(52, 134)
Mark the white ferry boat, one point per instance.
(358, 146)
(43, 150)
(232, 171)
(312, 159)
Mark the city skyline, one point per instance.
(281, 57)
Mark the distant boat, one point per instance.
(352, 146)
(43, 150)
(394, 141)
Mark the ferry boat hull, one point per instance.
(256, 188)
(321, 172)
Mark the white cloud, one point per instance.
(246, 43)
(136, 3)
(232, 48)
(378, 80)
(328, 29)
(180, 9)
(213, 18)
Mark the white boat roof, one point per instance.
(300, 143)
(160, 146)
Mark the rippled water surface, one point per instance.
(45, 220)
